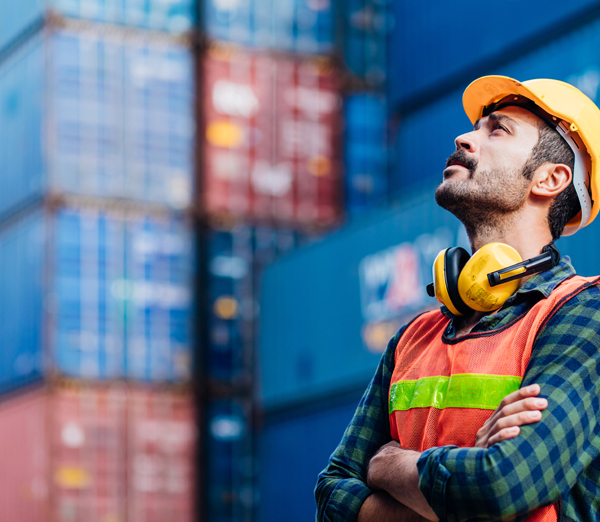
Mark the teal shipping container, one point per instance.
(434, 45)
(18, 18)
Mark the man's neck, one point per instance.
(524, 235)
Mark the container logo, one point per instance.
(392, 284)
(234, 99)
(389, 281)
(273, 180)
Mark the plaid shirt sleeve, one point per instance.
(341, 488)
(546, 460)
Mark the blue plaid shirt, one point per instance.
(556, 459)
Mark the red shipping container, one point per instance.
(88, 443)
(102, 453)
(161, 453)
(307, 129)
(271, 133)
(24, 468)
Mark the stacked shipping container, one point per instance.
(96, 148)
(271, 117)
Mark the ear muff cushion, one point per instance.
(454, 261)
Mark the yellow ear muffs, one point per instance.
(485, 281)
(446, 270)
(473, 284)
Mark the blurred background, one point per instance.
(213, 217)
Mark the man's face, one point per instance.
(484, 177)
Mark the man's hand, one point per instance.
(517, 409)
(394, 469)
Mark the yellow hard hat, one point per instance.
(564, 107)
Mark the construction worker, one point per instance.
(488, 408)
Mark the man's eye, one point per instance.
(500, 127)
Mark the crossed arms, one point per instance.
(511, 477)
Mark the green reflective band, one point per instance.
(464, 390)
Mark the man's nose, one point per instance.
(466, 142)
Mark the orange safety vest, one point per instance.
(442, 391)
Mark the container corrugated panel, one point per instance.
(122, 296)
(88, 449)
(17, 17)
(365, 152)
(122, 118)
(230, 466)
(229, 282)
(313, 436)
(302, 26)
(22, 262)
(271, 138)
(439, 40)
(21, 109)
(367, 24)
(24, 472)
(106, 116)
(159, 278)
(426, 138)
(161, 456)
(328, 310)
(235, 258)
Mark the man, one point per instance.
(528, 173)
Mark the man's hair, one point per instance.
(552, 148)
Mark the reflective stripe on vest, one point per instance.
(462, 390)
(442, 392)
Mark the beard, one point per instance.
(485, 197)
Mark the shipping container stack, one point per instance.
(292, 96)
(96, 147)
(270, 176)
(365, 29)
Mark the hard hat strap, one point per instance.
(581, 175)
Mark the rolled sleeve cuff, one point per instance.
(345, 501)
(433, 478)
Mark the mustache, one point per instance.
(463, 158)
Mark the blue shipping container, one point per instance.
(121, 296)
(426, 138)
(365, 152)
(173, 16)
(303, 444)
(22, 262)
(302, 26)
(106, 117)
(16, 18)
(230, 465)
(439, 40)
(236, 257)
(328, 310)
(367, 24)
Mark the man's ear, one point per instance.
(550, 179)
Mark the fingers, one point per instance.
(522, 393)
(505, 434)
(509, 427)
(524, 405)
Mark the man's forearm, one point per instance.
(394, 469)
(381, 507)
